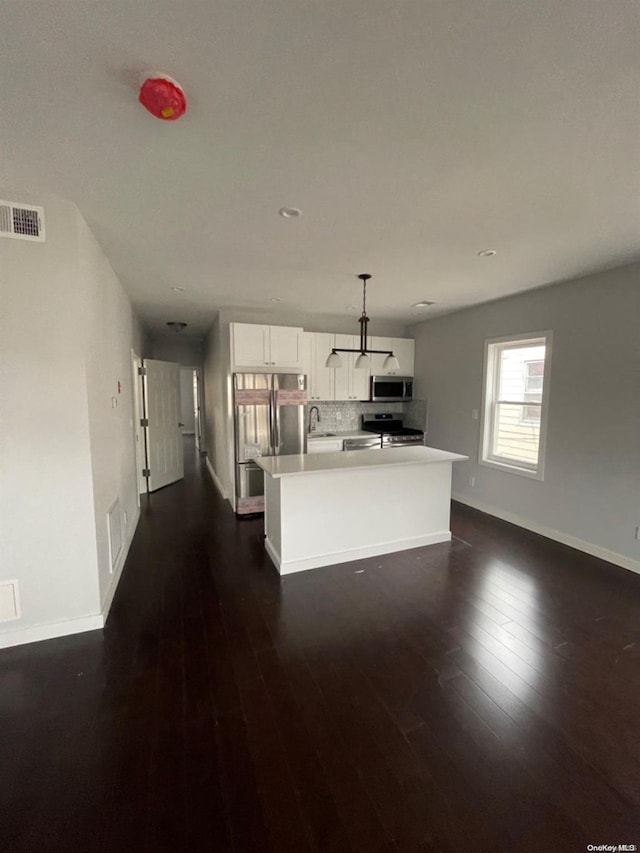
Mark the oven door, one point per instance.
(391, 389)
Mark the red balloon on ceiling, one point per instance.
(163, 97)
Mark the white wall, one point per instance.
(216, 432)
(110, 334)
(46, 495)
(590, 496)
(66, 336)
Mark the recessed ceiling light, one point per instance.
(424, 304)
(487, 253)
(275, 299)
(178, 289)
(289, 212)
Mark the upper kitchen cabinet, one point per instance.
(266, 347)
(320, 379)
(404, 350)
(351, 383)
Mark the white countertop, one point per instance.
(311, 463)
(354, 433)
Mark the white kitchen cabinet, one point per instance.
(351, 383)
(248, 345)
(324, 445)
(404, 350)
(285, 344)
(258, 346)
(321, 379)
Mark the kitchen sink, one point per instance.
(321, 434)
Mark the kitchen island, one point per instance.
(328, 508)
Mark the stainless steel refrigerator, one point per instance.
(269, 421)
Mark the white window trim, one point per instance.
(485, 425)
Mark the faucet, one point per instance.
(313, 425)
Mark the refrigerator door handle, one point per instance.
(271, 425)
(276, 419)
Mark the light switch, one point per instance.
(474, 414)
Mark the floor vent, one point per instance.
(9, 601)
(115, 532)
(21, 221)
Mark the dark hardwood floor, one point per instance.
(478, 695)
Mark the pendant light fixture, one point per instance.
(363, 361)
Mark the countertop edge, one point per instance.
(329, 462)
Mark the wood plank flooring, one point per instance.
(478, 695)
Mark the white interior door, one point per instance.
(163, 431)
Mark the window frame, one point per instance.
(493, 347)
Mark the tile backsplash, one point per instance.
(345, 415)
(416, 414)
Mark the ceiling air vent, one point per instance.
(21, 221)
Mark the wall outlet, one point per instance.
(472, 481)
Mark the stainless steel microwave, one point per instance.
(390, 389)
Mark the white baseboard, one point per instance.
(115, 577)
(271, 551)
(216, 480)
(289, 566)
(557, 535)
(51, 630)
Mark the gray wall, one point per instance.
(181, 348)
(590, 496)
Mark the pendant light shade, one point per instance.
(363, 361)
(334, 360)
(390, 363)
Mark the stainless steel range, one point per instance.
(390, 428)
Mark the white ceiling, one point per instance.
(412, 135)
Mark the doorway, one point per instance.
(191, 403)
(157, 428)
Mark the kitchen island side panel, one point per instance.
(340, 515)
(273, 518)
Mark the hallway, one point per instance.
(481, 694)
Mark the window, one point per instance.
(533, 378)
(516, 391)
